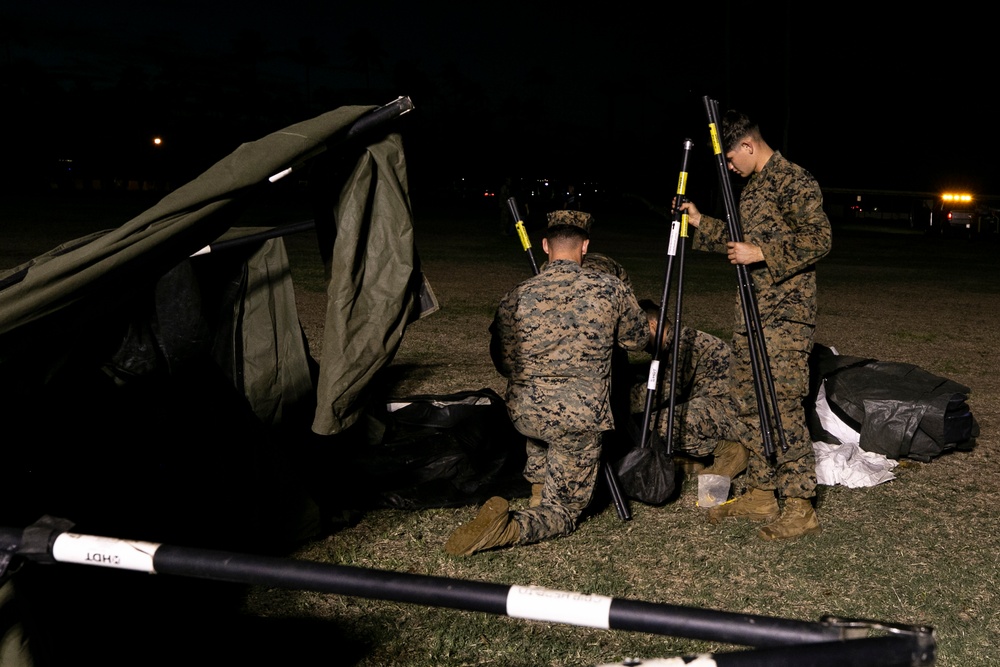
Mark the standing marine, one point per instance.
(785, 233)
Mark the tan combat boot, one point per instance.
(491, 528)
(798, 519)
(729, 459)
(536, 495)
(754, 505)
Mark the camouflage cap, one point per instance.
(573, 218)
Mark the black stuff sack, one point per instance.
(899, 409)
(440, 451)
(647, 473)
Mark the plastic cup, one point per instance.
(712, 490)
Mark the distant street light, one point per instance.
(157, 141)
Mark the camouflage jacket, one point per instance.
(598, 262)
(703, 367)
(781, 211)
(552, 338)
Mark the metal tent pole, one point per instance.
(796, 642)
(770, 418)
(678, 232)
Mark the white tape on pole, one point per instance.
(104, 552)
(654, 372)
(543, 604)
(699, 661)
(674, 233)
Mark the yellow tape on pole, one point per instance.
(523, 235)
(716, 146)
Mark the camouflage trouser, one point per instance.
(788, 347)
(700, 423)
(566, 464)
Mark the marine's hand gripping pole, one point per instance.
(678, 233)
(621, 505)
(763, 381)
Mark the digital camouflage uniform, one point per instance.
(781, 211)
(598, 262)
(621, 371)
(704, 409)
(553, 336)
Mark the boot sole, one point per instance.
(767, 537)
(753, 518)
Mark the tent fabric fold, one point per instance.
(274, 360)
(899, 409)
(365, 316)
(183, 222)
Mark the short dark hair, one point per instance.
(566, 232)
(735, 127)
(650, 307)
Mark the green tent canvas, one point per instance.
(86, 328)
(52, 301)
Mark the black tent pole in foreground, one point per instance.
(780, 641)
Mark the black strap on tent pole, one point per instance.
(678, 232)
(257, 237)
(787, 641)
(770, 417)
(614, 487)
(380, 115)
(377, 117)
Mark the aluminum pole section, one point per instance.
(522, 233)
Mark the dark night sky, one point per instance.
(862, 100)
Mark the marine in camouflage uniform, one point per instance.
(785, 233)
(704, 409)
(552, 337)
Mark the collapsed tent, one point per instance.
(147, 369)
(897, 409)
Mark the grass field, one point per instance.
(917, 550)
